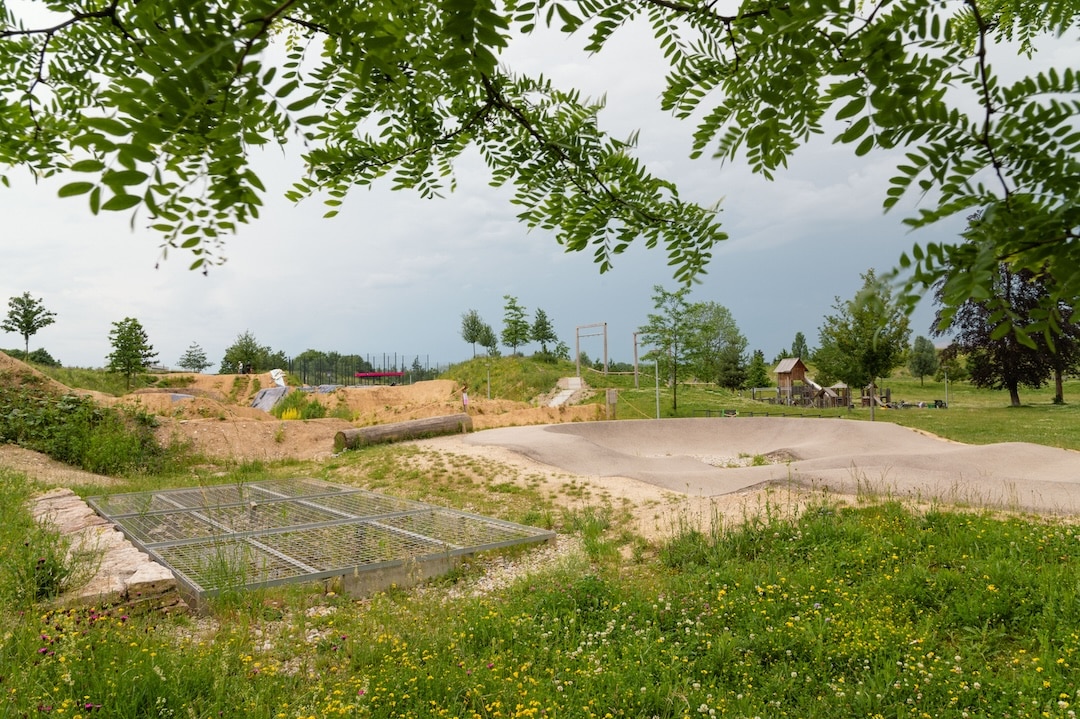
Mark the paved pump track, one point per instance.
(699, 457)
(260, 534)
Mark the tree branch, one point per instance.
(987, 99)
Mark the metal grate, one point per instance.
(265, 533)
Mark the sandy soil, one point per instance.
(213, 414)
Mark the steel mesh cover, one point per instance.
(270, 532)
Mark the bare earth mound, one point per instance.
(213, 414)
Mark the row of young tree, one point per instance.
(517, 331)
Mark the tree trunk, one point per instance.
(1014, 395)
(1059, 389)
(412, 429)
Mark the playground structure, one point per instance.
(795, 389)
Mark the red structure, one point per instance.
(374, 377)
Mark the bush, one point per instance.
(298, 405)
(76, 431)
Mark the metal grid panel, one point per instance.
(214, 496)
(276, 531)
(158, 527)
(456, 528)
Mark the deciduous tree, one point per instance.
(246, 355)
(715, 348)
(666, 332)
(472, 329)
(489, 340)
(542, 330)
(516, 330)
(132, 352)
(923, 359)
(1020, 332)
(26, 315)
(865, 339)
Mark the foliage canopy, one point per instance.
(156, 106)
(865, 339)
(132, 352)
(26, 315)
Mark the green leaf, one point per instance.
(108, 125)
(88, 166)
(75, 188)
(124, 178)
(286, 89)
(117, 203)
(303, 103)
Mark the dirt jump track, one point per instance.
(707, 458)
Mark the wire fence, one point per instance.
(389, 368)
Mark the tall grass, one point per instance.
(835, 612)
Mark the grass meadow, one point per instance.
(874, 608)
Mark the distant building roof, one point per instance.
(788, 364)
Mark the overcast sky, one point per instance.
(393, 273)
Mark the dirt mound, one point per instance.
(212, 414)
(246, 440)
(16, 373)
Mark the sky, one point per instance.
(393, 274)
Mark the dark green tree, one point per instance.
(472, 329)
(489, 340)
(194, 359)
(1020, 333)
(799, 347)
(132, 352)
(404, 89)
(923, 359)
(542, 331)
(999, 354)
(952, 366)
(26, 316)
(758, 373)
(715, 348)
(247, 356)
(865, 339)
(516, 330)
(666, 332)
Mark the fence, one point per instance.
(343, 370)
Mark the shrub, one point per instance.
(298, 405)
(77, 431)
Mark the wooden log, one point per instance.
(412, 429)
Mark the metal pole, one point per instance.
(656, 365)
(635, 363)
(577, 350)
(605, 350)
